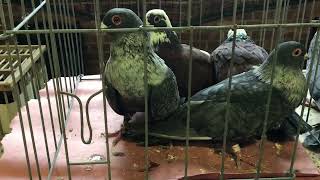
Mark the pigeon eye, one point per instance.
(116, 20)
(296, 52)
(156, 19)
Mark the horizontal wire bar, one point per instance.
(185, 28)
(87, 163)
(277, 178)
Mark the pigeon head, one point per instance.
(289, 54)
(240, 35)
(120, 18)
(158, 18)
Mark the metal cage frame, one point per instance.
(63, 93)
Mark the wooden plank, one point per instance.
(26, 65)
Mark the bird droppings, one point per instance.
(88, 168)
(96, 157)
(202, 171)
(279, 148)
(102, 135)
(70, 130)
(170, 158)
(60, 178)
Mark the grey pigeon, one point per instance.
(246, 55)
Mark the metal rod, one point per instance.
(63, 59)
(221, 21)
(200, 22)
(180, 17)
(87, 163)
(183, 28)
(243, 10)
(53, 82)
(262, 21)
(79, 45)
(101, 64)
(81, 118)
(39, 82)
(30, 16)
(57, 70)
(227, 114)
(56, 154)
(293, 156)
(302, 19)
(264, 130)
(266, 21)
(16, 92)
(70, 42)
(297, 19)
(186, 147)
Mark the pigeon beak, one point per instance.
(103, 26)
(306, 57)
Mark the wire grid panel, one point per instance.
(64, 87)
(6, 55)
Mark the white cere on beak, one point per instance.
(159, 12)
(239, 32)
(103, 26)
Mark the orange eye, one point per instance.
(296, 52)
(116, 20)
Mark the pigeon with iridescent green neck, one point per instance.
(177, 56)
(246, 55)
(124, 70)
(249, 96)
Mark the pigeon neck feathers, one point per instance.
(286, 79)
(130, 43)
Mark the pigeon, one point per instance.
(177, 56)
(124, 71)
(248, 100)
(246, 55)
(314, 86)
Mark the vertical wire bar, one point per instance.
(71, 43)
(69, 51)
(138, 7)
(159, 2)
(227, 113)
(16, 91)
(266, 21)
(61, 57)
(146, 99)
(221, 20)
(26, 97)
(79, 47)
(264, 136)
(243, 9)
(297, 20)
(316, 49)
(53, 82)
(302, 19)
(310, 18)
(64, 56)
(57, 70)
(180, 17)
(101, 63)
(35, 74)
(279, 3)
(262, 21)
(117, 3)
(200, 22)
(186, 148)
(308, 46)
(293, 156)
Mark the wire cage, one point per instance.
(61, 31)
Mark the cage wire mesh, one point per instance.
(54, 29)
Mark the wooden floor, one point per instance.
(168, 162)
